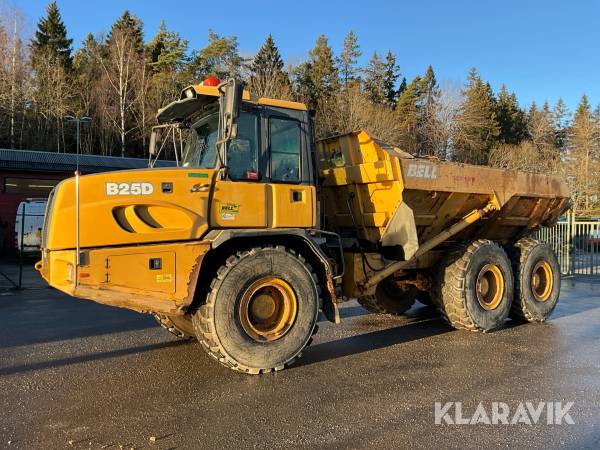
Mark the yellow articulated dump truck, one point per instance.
(260, 227)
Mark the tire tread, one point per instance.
(450, 288)
(205, 319)
(518, 254)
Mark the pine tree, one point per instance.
(560, 123)
(584, 158)
(375, 80)
(130, 25)
(268, 78)
(381, 78)
(402, 86)
(51, 37)
(162, 78)
(303, 84)
(167, 50)
(427, 113)
(539, 126)
(511, 118)
(407, 111)
(477, 127)
(51, 60)
(429, 89)
(324, 73)
(391, 75)
(220, 58)
(349, 58)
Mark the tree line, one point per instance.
(120, 79)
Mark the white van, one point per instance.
(33, 224)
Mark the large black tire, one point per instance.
(247, 323)
(389, 299)
(537, 280)
(475, 286)
(180, 326)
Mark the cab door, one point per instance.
(290, 194)
(239, 204)
(239, 201)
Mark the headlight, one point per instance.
(189, 93)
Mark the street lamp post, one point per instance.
(78, 121)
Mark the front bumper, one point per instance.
(123, 277)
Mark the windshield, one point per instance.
(242, 152)
(201, 149)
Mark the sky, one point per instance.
(541, 49)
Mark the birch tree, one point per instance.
(122, 63)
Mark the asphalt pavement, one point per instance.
(75, 374)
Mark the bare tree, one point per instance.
(53, 97)
(525, 156)
(351, 110)
(121, 66)
(15, 75)
(438, 121)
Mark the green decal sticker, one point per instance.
(197, 175)
(230, 208)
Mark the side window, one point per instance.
(285, 149)
(242, 152)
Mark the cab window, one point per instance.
(201, 146)
(242, 152)
(285, 149)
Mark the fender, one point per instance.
(311, 240)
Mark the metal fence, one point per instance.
(576, 243)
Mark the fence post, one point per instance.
(21, 246)
(572, 232)
(568, 243)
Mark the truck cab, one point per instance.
(265, 177)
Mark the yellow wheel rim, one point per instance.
(490, 287)
(268, 309)
(542, 281)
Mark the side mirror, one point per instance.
(232, 92)
(155, 138)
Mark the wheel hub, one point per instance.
(490, 287)
(268, 309)
(542, 281)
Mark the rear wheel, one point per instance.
(476, 286)
(537, 280)
(180, 326)
(261, 310)
(390, 298)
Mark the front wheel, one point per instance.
(261, 310)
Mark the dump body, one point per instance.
(388, 198)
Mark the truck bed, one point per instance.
(365, 181)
